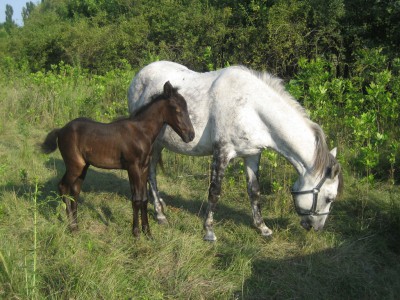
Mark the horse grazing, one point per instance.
(123, 144)
(237, 112)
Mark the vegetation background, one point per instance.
(339, 58)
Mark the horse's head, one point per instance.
(178, 115)
(313, 195)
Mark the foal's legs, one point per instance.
(138, 181)
(159, 204)
(220, 162)
(64, 189)
(70, 187)
(253, 189)
(76, 189)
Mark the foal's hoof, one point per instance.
(73, 228)
(149, 236)
(136, 233)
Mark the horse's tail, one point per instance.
(50, 143)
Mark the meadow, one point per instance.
(355, 257)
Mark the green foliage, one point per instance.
(366, 104)
(96, 34)
(52, 98)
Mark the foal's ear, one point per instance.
(168, 89)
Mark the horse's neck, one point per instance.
(293, 136)
(299, 152)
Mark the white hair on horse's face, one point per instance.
(239, 112)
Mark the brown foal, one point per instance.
(123, 144)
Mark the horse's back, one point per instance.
(150, 81)
(223, 106)
(192, 86)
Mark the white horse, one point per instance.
(237, 112)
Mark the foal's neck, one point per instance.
(153, 118)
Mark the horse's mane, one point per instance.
(323, 158)
(277, 85)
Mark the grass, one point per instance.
(355, 257)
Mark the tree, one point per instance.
(26, 11)
(9, 19)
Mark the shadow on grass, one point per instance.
(102, 181)
(223, 211)
(364, 265)
(355, 270)
(48, 199)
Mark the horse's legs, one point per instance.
(220, 162)
(159, 204)
(253, 189)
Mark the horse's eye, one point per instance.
(178, 110)
(329, 199)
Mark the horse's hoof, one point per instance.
(266, 235)
(265, 231)
(162, 221)
(210, 237)
(163, 205)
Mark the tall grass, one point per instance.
(357, 256)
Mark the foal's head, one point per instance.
(177, 115)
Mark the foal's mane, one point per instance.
(155, 98)
(323, 158)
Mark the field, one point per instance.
(355, 257)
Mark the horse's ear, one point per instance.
(335, 170)
(333, 151)
(168, 89)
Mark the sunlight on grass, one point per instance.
(356, 256)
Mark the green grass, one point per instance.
(355, 257)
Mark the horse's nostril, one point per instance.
(305, 225)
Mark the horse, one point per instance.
(238, 112)
(123, 144)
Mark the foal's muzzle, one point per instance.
(191, 136)
(188, 136)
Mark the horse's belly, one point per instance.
(200, 146)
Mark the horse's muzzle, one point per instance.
(306, 225)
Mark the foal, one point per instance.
(123, 144)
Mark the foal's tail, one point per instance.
(50, 143)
